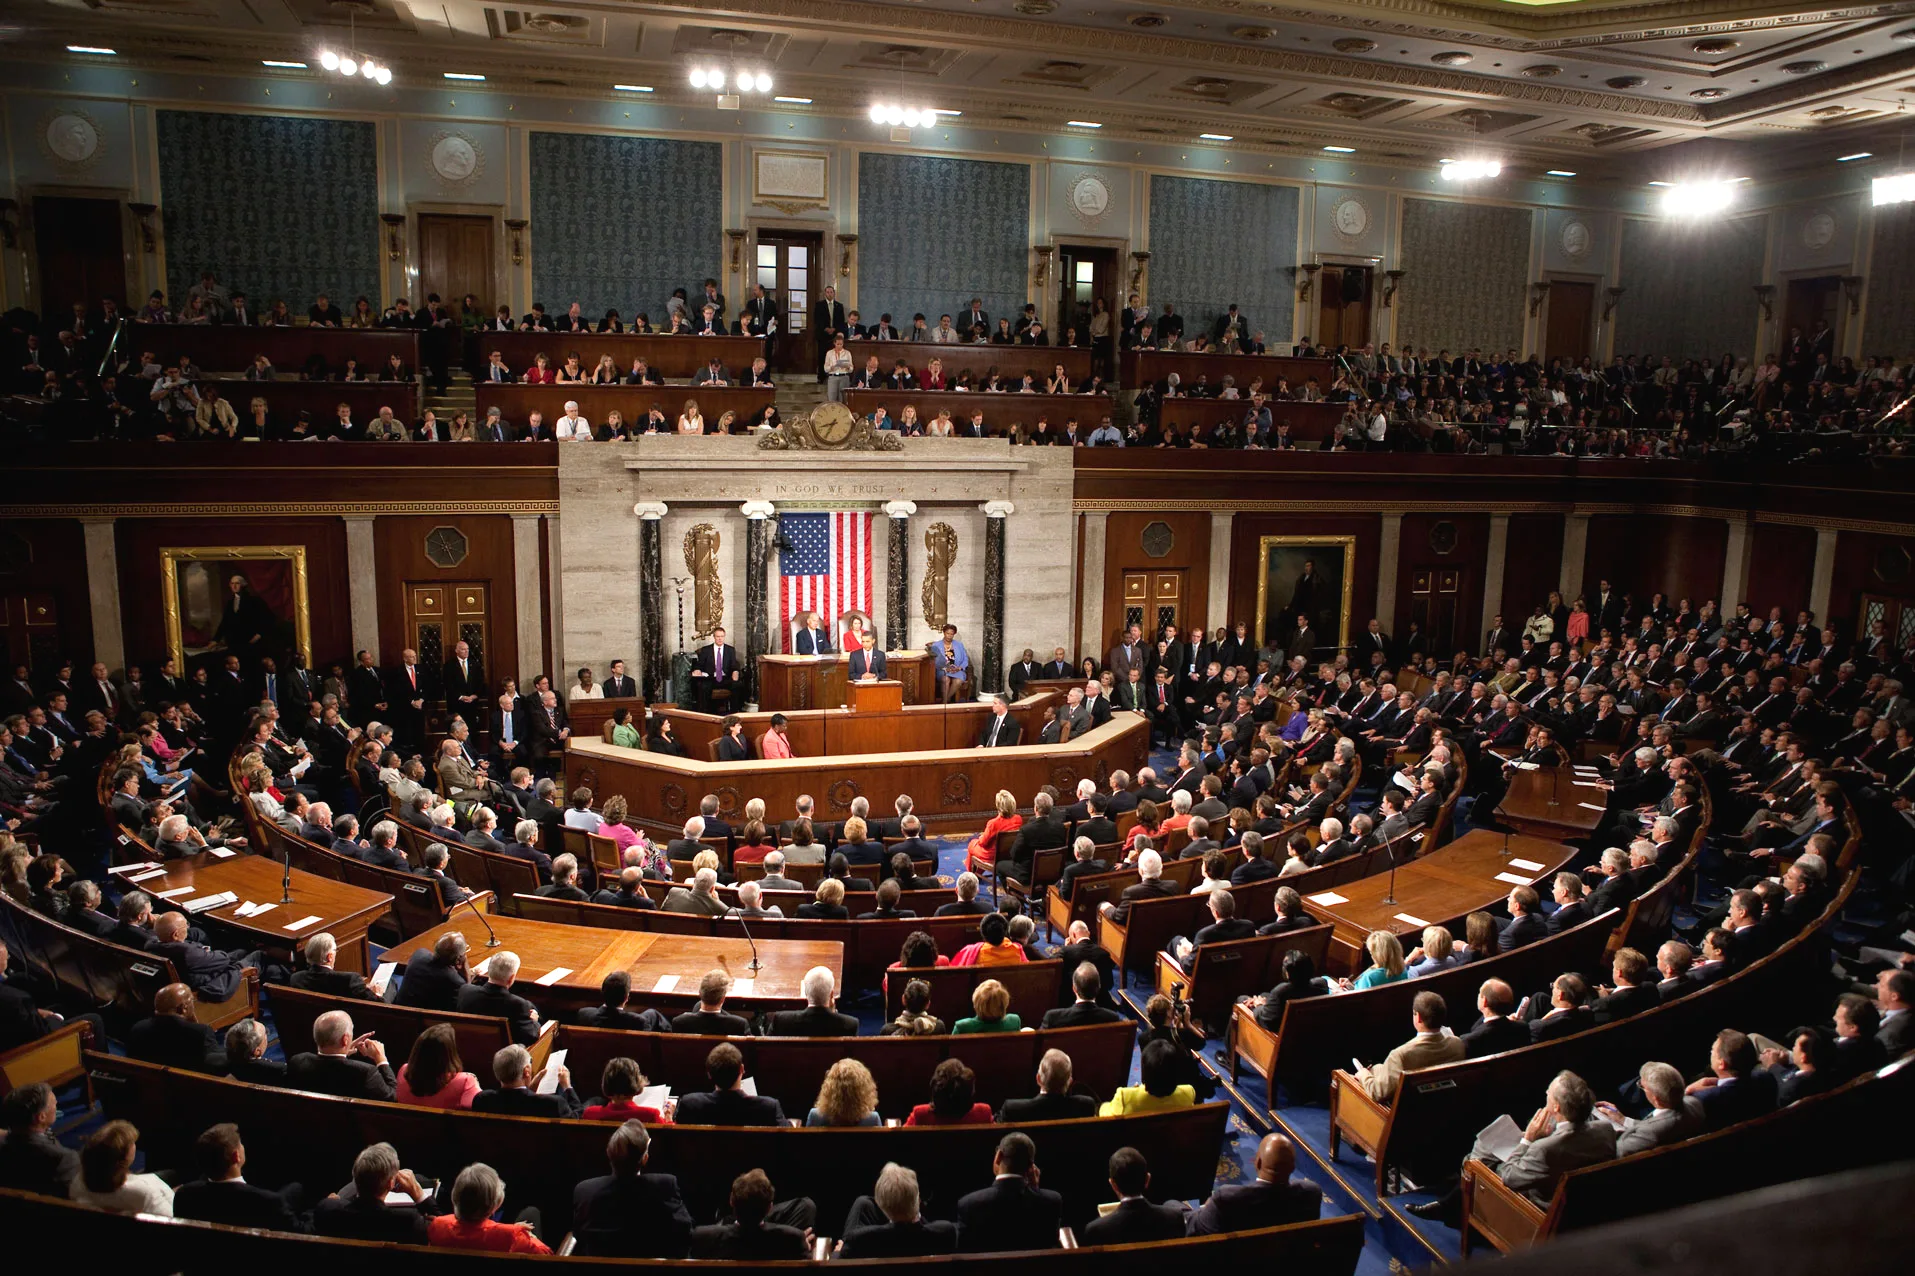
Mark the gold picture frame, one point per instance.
(174, 558)
(1343, 548)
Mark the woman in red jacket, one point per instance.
(983, 850)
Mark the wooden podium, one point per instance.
(874, 697)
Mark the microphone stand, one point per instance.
(492, 936)
(756, 965)
(286, 878)
(1389, 849)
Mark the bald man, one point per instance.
(173, 1035)
(1274, 1199)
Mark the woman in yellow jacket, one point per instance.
(1159, 1090)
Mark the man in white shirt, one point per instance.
(572, 425)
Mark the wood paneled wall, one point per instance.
(1781, 568)
(1641, 553)
(1532, 565)
(1247, 530)
(45, 560)
(1189, 553)
(1868, 563)
(399, 542)
(1462, 547)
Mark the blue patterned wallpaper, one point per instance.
(1467, 275)
(276, 206)
(1690, 287)
(934, 233)
(1889, 322)
(1213, 243)
(618, 222)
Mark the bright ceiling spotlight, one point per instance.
(1470, 170)
(347, 66)
(764, 81)
(1697, 199)
(1898, 188)
(329, 59)
(877, 113)
(698, 77)
(384, 76)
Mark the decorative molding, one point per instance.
(280, 509)
(651, 511)
(1089, 196)
(900, 509)
(998, 509)
(72, 139)
(454, 159)
(792, 182)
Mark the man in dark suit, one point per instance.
(726, 1103)
(1082, 864)
(1570, 911)
(1566, 1014)
(366, 691)
(464, 684)
(1634, 990)
(888, 1224)
(365, 1215)
(1079, 948)
(1057, 666)
(827, 321)
(495, 997)
(518, 1095)
(1525, 924)
(1275, 1198)
(1087, 985)
(173, 1035)
(31, 1159)
(817, 1019)
(1021, 672)
(1044, 831)
(1053, 1101)
(433, 980)
(715, 667)
(629, 1213)
(1000, 730)
(1135, 1218)
(212, 975)
(752, 1235)
(406, 693)
(222, 1194)
(1494, 1031)
(711, 1018)
(812, 640)
(1013, 1213)
(1151, 885)
(343, 1065)
(867, 662)
(319, 975)
(614, 1008)
(1740, 1088)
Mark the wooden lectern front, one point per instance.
(874, 697)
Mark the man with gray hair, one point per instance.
(319, 975)
(1564, 1135)
(817, 1019)
(495, 997)
(348, 1066)
(384, 852)
(1151, 885)
(433, 980)
(686, 846)
(528, 836)
(749, 894)
(700, 898)
(967, 904)
(246, 1055)
(888, 1224)
(1617, 887)
(629, 1213)
(564, 884)
(774, 878)
(366, 1216)
(485, 822)
(518, 1095)
(1054, 1101)
(1675, 1116)
(801, 810)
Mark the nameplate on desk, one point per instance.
(743, 987)
(140, 867)
(1531, 865)
(1411, 918)
(302, 923)
(1327, 898)
(1514, 879)
(552, 976)
(665, 983)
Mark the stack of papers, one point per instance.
(1531, 865)
(1592, 806)
(655, 1096)
(221, 853)
(743, 987)
(379, 981)
(250, 909)
(1412, 919)
(205, 902)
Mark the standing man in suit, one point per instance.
(715, 666)
(812, 640)
(1273, 1199)
(1001, 730)
(619, 686)
(464, 683)
(827, 321)
(867, 662)
(1128, 654)
(1014, 1212)
(405, 690)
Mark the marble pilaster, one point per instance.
(757, 588)
(1217, 610)
(103, 579)
(362, 587)
(1822, 576)
(1388, 550)
(1575, 550)
(897, 600)
(1090, 621)
(525, 579)
(991, 677)
(651, 599)
(1495, 563)
(1735, 563)
(556, 621)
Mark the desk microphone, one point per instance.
(756, 965)
(492, 936)
(286, 878)
(1389, 849)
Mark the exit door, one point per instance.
(1343, 307)
(789, 270)
(1085, 274)
(1435, 598)
(1153, 600)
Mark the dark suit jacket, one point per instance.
(213, 976)
(1566, 1024)
(637, 1217)
(1726, 1103)
(562, 1102)
(343, 1075)
(812, 643)
(1567, 916)
(812, 1021)
(1008, 1215)
(728, 1107)
(1156, 888)
(1241, 1207)
(730, 1241)
(1518, 931)
(1079, 1014)
(859, 667)
(1136, 1220)
(901, 1240)
(1048, 1107)
(647, 1020)
(427, 984)
(1008, 734)
(237, 1204)
(176, 1043)
(1067, 881)
(490, 999)
(1493, 1036)
(38, 1163)
(369, 1221)
(1624, 1002)
(334, 983)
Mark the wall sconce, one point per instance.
(1610, 296)
(1309, 270)
(143, 217)
(10, 222)
(517, 226)
(1765, 297)
(846, 243)
(1138, 262)
(1538, 293)
(737, 238)
(1852, 289)
(1044, 252)
(395, 234)
(1393, 279)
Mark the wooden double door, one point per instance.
(438, 617)
(455, 260)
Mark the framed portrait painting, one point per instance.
(1305, 576)
(250, 600)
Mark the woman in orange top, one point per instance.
(477, 1194)
(984, 847)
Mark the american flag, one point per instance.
(827, 569)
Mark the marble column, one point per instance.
(1090, 572)
(362, 586)
(990, 678)
(1386, 560)
(525, 581)
(1822, 577)
(897, 601)
(1218, 606)
(1735, 564)
(653, 668)
(757, 566)
(555, 623)
(1575, 549)
(103, 589)
(1495, 563)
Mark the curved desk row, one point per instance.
(840, 732)
(953, 787)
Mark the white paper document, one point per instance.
(175, 893)
(1531, 865)
(1514, 879)
(665, 983)
(655, 1096)
(148, 875)
(552, 976)
(381, 978)
(140, 867)
(1592, 806)
(1500, 1138)
(1411, 918)
(743, 987)
(1327, 898)
(749, 1086)
(549, 1079)
(220, 852)
(302, 923)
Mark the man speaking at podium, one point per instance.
(867, 663)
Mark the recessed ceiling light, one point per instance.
(941, 110)
(1341, 150)
(633, 88)
(1083, 124)
(92, 48)
(290, 66)
(462, 75)
(1659, 183)
(795, 101)
(1843, 159)
(1217, 137)
(1559, 172)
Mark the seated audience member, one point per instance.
(1739, 1088)
(1159, 1090)
(994, 946)
(1428, 1048)
(1150, 885)
(726, 1103)
(1084, 863)
(246, 1055)
(1632, 993)
(1135, 1218)
(699, 898)
(620, 1085)
(433, 980)
(915, 1018)
(494, 996)
(1565, 1134)
(1224, 926)
(319, 974)
(1566, 1013)
(967, 903)
(847, 1096)
(630, 891)
(1054, 1100)
(1674, 1115)
(817, 1019)
(1495, 1029)
(1386, 962)
(888, 1223)
(711, 1018)
(31, 1159)
(364, 1213)
(613, 1010)
(953, 1098)
(1438, 951)
(222, 1195)
(1290, 914)
(1087, 985)
(751, 1236)
(1300, 979)
(477, 1194)
(990, 1010)
(341, 1064)
(433, 1075)
(106, 1179)
(173, 1035)
(518, 1094)
(564, 884)
(1275, 1198)
(1014, 1213)
(1526, 924)
(629, 1213)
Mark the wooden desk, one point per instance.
(590, 954)
(1438, 888)
(1001, 411)
(1010, 361)
(886, 696)
(516, 402)
(818, 682)
(286, 399)
(1309, 422)
(838, 732)
(1139, 366)
(667, 356)
(1547, 803)
(224, 348)
(346, 912)
(590, 716)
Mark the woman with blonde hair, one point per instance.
(848, 1096)
(1437, 952)
(990, 1011)
(691, 420)
(1386, 962)
(983, 850)
(106, 1179)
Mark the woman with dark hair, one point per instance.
(920, 951)
(432, 1076)
(915, 1019)
(106, 1179)
(953, 1098)
(754, 844)
(624, 734)
(732, 745)
(622, 1082)
(1160, 1089)
(1300, 979)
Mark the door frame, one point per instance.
(1595, 312)
(1047, 300)
(1844, 321)
(830, 250)
(133, 251)
(1376, 335)
(415, 254)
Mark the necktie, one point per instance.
(412, 676)
(272, 688)
(718, 661)
(995, 724)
